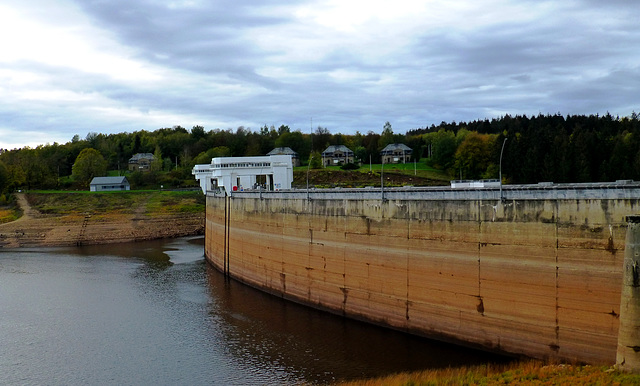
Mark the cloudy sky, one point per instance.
(108, 66)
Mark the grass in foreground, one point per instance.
(518, 373)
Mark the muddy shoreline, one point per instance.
(35, 229)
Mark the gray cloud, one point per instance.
(206, 38)
(146, 64)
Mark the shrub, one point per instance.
(349, 166)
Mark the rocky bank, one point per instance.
(35, 229)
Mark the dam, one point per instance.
(531, 270)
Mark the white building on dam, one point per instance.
(232, 174)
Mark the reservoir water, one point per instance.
(155, 313)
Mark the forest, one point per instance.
(552, 148)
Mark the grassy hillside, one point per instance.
(148, 202)
(398, 175)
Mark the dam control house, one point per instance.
(232, 174)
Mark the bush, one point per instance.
(349, 166)
(315, 161)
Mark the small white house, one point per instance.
(231, 174)
(108, 184)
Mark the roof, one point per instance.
(396, 146)
(139, 156)
(283, 151)
(109, 180)
(335, 148)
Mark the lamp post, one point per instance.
(501, 151)
(310, 156)
(308, 166)
(382, 180)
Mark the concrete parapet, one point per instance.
(586, 191)
(537, 275)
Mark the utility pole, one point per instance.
(310, 155)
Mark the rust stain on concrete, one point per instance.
(419, 266)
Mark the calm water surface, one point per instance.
(156, 313)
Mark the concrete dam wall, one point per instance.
(538, 273)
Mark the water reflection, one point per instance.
(153, 252)
(317, 346)
(156, 313)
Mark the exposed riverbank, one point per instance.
(81, 218)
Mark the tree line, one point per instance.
(554, 148)
(574, 148)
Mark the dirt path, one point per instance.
(28, 212)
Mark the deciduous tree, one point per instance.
(361, 154)
(89, 163)
(473, 155)
(443, 148)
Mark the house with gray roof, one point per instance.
(109, 184)
(141, 162)
(396, 153)
(295, 159)
(337, 155)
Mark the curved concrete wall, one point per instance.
(539, 276)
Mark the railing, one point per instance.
(606, 190)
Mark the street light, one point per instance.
(382, 179)
(308, 166)
(501, 151)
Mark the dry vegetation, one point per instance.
(8, 214)
(66, 203)
(518, 373)
(151, 202)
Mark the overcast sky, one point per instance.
(108, 66)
